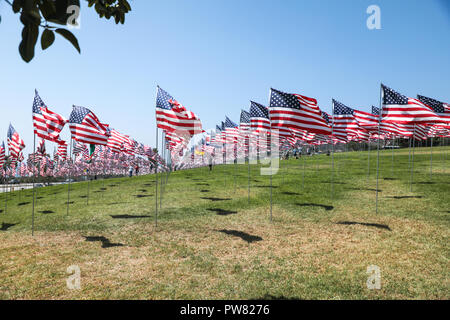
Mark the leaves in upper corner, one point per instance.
(47, 38)
(70, 37)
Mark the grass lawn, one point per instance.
(212, 242)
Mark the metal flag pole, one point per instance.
(34, 180)
(6, 188)
(431, 159)
(89, 183)
(303, 160)
(392, 164)
(69, 173)
(332, 152)
(412, 158)
(156, 179)
(248, 160)
(162, 177)
(368, 160)
(378, 150)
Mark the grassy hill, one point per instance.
(213, 242)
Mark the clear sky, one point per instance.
(214, 56)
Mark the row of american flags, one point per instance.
(297, 118)
(94, 146)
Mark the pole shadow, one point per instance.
(222, 212)
(328, 208)
(23, 203)
(291, 193)
(105, 241)
(143, 195)
(243, 235)
(215, 199)
(128, 216)
(46, 211)
(204, 190)
(406, 197)
(376, 225)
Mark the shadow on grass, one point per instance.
(46, 211)
(204, 190)
(143, 195)
(266, 187)
(424, 182)
(335, 182)
(291, 193)
(23, 203)
(243, 235)
(222, 212)
(406, 197)
(215, 199)
(128, 216)
(142, 190)
(105, 241)
(376, 225)
(390, 179)
(367, 189)
(202, 184)
(6, 226)
(328, 208)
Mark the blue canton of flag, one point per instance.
(258, 110)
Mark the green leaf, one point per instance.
(70, 37)
(29, 37)
(47, 38)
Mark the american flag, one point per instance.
(296, 111)
(231, 129)
(15, 143)
(344, 122)
(440, 108)
(116, 140)
(86, 127)
(41, 147)
(47, 124)
(244, 124)
(366, 120)
(2, 155)
(398, 108)
(79, 147)
(259, 117)
(172, 116)
(62, 151)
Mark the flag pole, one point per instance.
(156, 179)
(332, 152)
(431, 159)
(378, 150)
(34, 180)
(412, 158)
(368, 159)
(69, 173)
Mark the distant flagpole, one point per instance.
(378, 149)
(69, 174)
(34, 180)
(412, 158)
(332, 152)
(431, 159)
(156, 179)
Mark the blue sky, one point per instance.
(214, 56)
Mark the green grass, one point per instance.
(317, 246)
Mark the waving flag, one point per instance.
(47, 124)
(116, 141)
(171, 116)
(397, 108)
(366, 120)
(296, 111)
(15, 143)
(2, 155)
(86, 127)
(62, 151)
(231, 128)
(259, 117)
(440, 108)
(344, 122)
